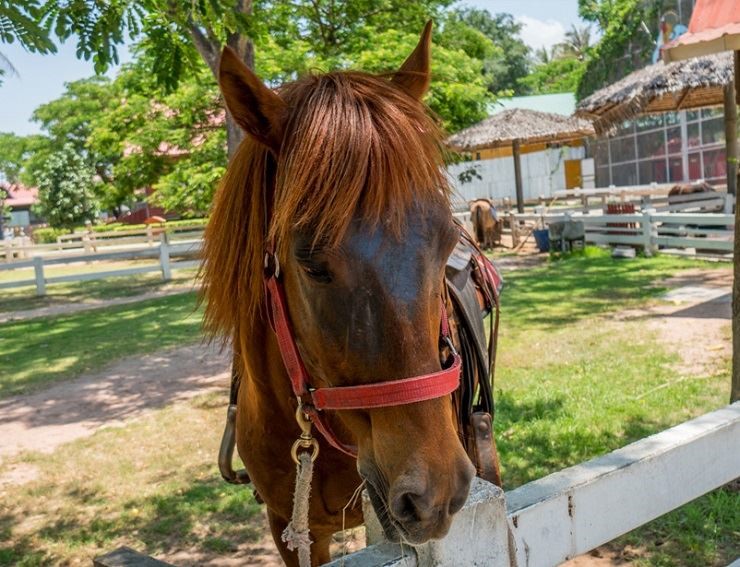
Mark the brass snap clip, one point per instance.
(306, 440)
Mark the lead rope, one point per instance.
(296, 535)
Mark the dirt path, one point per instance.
(44, 420)
(67, 308)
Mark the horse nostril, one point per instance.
(465, 477)
(405, 507)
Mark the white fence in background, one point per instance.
(573, 511)
(713, 232)
(163, 252)
(91, 242)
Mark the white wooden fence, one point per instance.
(162, 252)
(573, 511)
(650, 230)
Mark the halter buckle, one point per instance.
(272, 264)
(306, 440)
(448, 342)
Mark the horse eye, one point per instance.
(317, 273)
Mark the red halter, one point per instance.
(366, 396)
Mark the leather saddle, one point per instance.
(473, 287)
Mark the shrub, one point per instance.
(47, 235)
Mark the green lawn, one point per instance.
(22, 298)
(40, 351)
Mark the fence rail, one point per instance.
(163, 252)
(650, 230)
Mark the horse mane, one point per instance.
(356, 145)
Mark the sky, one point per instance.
(41, 78)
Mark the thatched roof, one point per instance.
(527, 126)
(661, 87)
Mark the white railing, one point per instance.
(163, 253)
(650, 230)
(573, 511)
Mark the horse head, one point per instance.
(347, 169)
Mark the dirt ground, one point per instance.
(693, 320)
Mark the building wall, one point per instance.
(543, 172)
(664, 148)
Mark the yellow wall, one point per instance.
(506, 151)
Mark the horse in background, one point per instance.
(325, 192)
(487, 227)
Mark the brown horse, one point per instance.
(486, 227)
(336, 170)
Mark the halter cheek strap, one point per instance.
(366, 396)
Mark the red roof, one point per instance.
(714, 27)
(20, 196)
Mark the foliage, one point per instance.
(47, 235)
(20, 21)
(66, 189)
(509, 61)
(15, 153)
(559, 75)
(624, 45)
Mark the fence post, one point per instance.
(164, 257)
(38, 269)
(648, 232)
(149, 235)
(729, 202)
(514, 230)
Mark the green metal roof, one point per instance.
(560, 103)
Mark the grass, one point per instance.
(40, 351)
(152, 485)
(573, 382)
(24, 298)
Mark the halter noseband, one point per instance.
(366, 396)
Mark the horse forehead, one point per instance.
(380, 248)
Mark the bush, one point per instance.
(47, 235)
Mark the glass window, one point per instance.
(627, 127)
(715, 165)
(711, 112)
(672, 118)
(652, 171)
(673, 140)
(601, 152)
(693, 135)
(624, 174)
(649, 122)
(675, 169)
(651, 144)
(622, 149)
(692, 115)
(602, 176)
(695, 166)
(713, 131)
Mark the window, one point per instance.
(675, 169)
(624, 174)
(601, 152)
(693, 134)
(652, 171)
(602, 176)
(651, 144)
(649, 122)
(715, 165)
(713, 131)
(622, 149)
(695, 166)
(673, 140)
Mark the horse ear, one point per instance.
(414, 76)
(257, 109)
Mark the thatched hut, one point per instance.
(683, 85)
(516, 131)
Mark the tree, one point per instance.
(15, 151)
(577, 42)
(624, 45)
(19, 21)
(66, 190)
(559, 75)
(509, 62)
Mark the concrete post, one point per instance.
(514, 230)
(648, 232)
(479, 535)
(164, 257)
(38, 270)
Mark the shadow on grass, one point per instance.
(206, 515)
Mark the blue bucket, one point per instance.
(542, 238)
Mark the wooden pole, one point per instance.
(730, 111)
(735, 389)
(518, 177)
